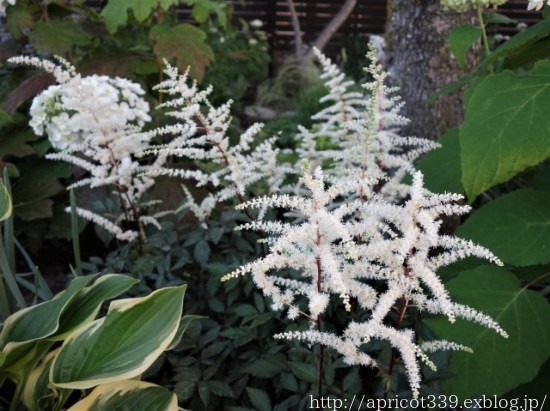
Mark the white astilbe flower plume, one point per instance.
(370, 157)
(376, 156)
(306, 258)
(399, 245)
(95, 123)
(201, 134)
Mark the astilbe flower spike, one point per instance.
(362, 225)
(200, 133)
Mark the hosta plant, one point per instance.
(51, 349)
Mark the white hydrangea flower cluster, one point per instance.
(95, 123)
(67, 120)
(201, 134)
(341, 247)
(463, 5)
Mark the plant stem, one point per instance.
(484, 35)
(321, 357)
(75, 234)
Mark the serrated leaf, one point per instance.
(515, 227)
(446, 158)
(220, 388)
(240, 336)
(186, 44)
(259, 399)
(497, 364)
(461, 39)
(121, 345)
(304, 372)
(115, 12)
(58, 37)
(505, 130)
(19, 19)
(267, 367)
(201, 252)
(128, 395)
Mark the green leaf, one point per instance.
(220, 388)
(85, 306)
(19, 19)
(201, 252)
(259, 399)
(186, 320)
(128, 395)
(41, 320)
(37, 392)
(240, 335)
(304, 372)
(497, 18)
(267, 367)
(496, 365)
(515, 227)
(461, 39)
(58, 37)
(506, 129)
(115, 13)
(186, 44)
(121, 345)
(446, 158)
(541, 179)
(519, 42)
(5, 202)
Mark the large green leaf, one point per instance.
(441, 167)
(519, 42)
(516, 227)
(496, 365)
(121, 345)
(506, 128)
(461, 39)
(115, 13)
(186, 44)
(58, 37)
(41, 320)
(128, 395)
(25, 328)
(87, 303)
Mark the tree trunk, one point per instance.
(420, 63)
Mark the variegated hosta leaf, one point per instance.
(5, 203)
(38, 394)
(121, 345)
(86, 305)
(31, 324)
(128, 395)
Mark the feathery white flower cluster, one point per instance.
(463, 5)
(200, 134)
(370, 157)
(346, 246)
(95, 123)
